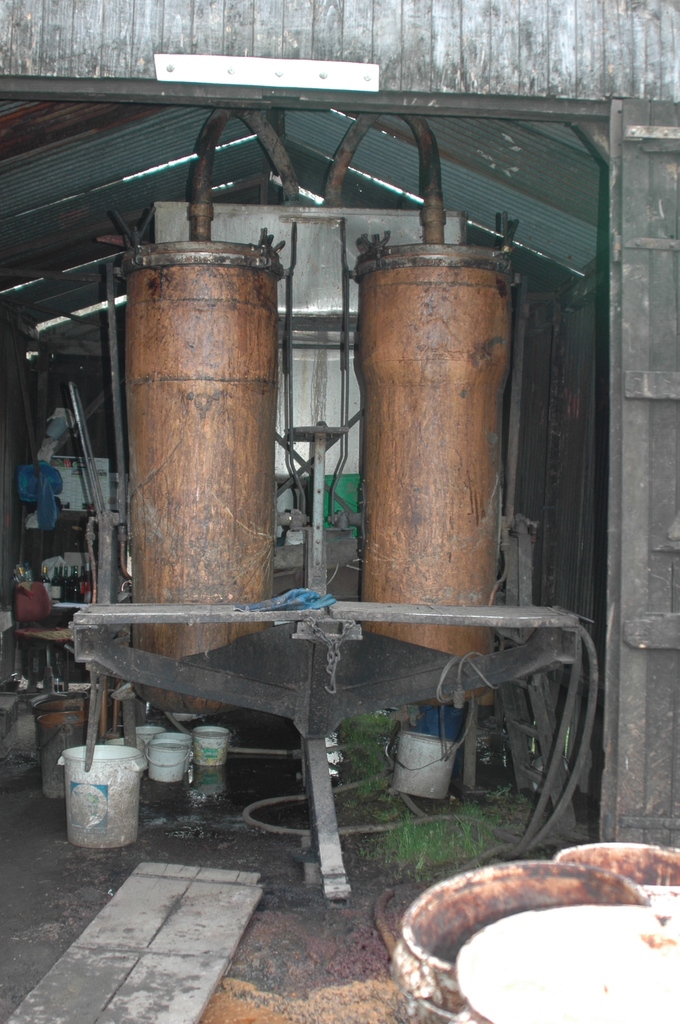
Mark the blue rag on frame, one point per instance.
(290, 601)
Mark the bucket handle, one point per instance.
(186, 758)
(133, 766)
(60, 732)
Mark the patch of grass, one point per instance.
(364, 738)
(427, 851)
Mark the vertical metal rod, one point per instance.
(516, 402)
(21, 373)
(316, 550)
(344, 371)
(90, 464)
(116, 395)
(288, 370)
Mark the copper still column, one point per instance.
(201, 369)
(433, 356)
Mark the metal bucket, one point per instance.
(419, 767)
(655, 868)
(50, 702)
(58, 730)
(443, 918)
(610, 965)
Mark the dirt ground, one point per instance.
(296, 945)
(300, 961)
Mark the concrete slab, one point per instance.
(153, 955)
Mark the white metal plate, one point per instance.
(267, 71)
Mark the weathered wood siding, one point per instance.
(641, 791)
(583, 49)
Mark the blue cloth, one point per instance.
(42, 491)
(290, 601)
(27, 485)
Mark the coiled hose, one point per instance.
(534, 834)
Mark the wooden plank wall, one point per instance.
(583, 49)
(641, 789)
(13, 451)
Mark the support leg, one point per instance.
(96, 689)
(470, 747)
(324, 824)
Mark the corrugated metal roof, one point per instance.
(549, 169)
(559, 235)
(56, 198)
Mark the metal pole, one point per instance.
(316, 549)
(116, 396)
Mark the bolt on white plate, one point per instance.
(207, 69)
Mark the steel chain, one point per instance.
(333, 642)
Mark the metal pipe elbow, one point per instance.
(201, 210)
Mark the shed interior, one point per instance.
(68, 166)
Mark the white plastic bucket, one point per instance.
(119, 741)
(102, 805)
(145, 733)
(210, 744)
(168, 756)
(419, 768)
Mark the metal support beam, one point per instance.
(144, 90)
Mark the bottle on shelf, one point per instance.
(55, 585)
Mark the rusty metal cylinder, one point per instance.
(433, 358)
(201, 375)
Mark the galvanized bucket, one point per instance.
(444, 917)
(655, 868)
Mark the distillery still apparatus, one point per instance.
(202, 340)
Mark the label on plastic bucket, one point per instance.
(89, 806)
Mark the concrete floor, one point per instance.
(295, 943)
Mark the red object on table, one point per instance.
(32, 603)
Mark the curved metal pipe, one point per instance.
(343, 157)
(275, 150)
(433, 215)
(201, 207)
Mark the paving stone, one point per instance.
(135, 914)
(164, 989)
(77, 988)
(210, 919)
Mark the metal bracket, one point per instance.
(306, 630)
